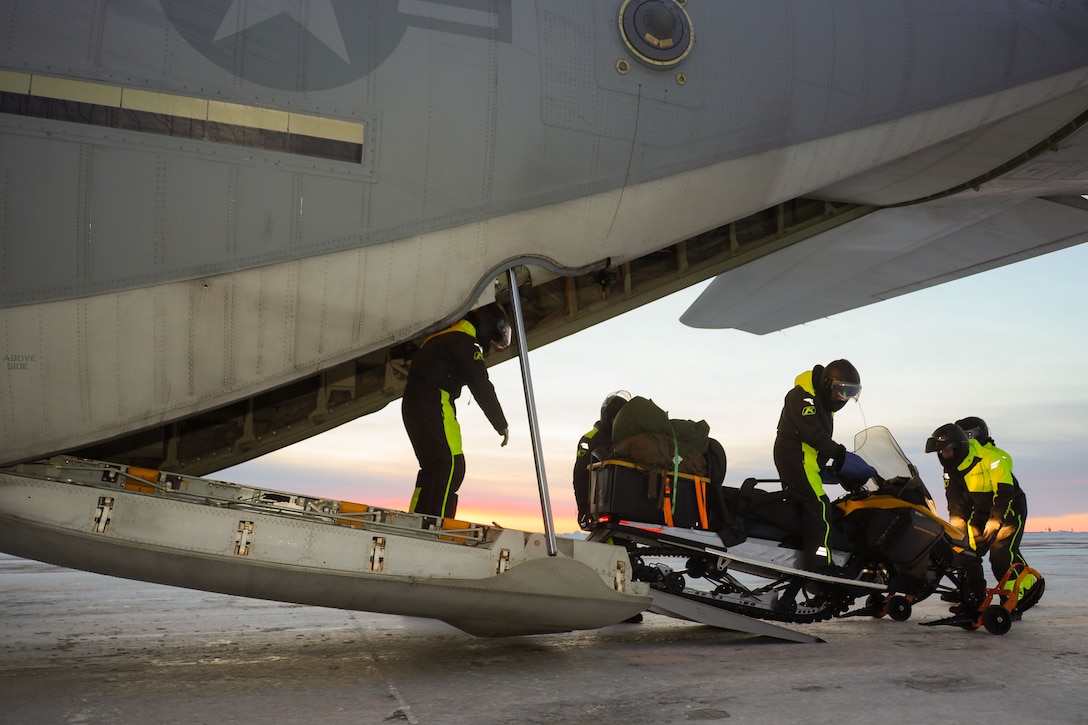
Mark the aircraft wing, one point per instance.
(885, 254)
(920, 233)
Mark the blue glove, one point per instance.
(854, 466)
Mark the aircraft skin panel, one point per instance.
(41, 216)
(974, 154)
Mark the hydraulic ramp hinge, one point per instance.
(620, 582)
(377, 554)
(102, 514)
(243, 537)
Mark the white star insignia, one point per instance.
(317, 16)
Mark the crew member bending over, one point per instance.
(446, 362)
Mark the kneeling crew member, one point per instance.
(983, 495)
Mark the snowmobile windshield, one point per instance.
(879, 449)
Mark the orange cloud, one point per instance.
(524, 518)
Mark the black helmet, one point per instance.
(491, 326)
(612, 404)
(839, 383)
(976, 428)
(950, 444)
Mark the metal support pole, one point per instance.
(530, 405)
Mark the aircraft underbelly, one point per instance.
(195, 345)
(214, 204)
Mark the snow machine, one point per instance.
(739, 548)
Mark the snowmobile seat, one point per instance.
(762, 514)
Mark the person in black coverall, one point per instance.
(446, 362)
(984, 497)
(597, 442)
(804, 446)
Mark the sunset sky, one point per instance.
(1007, 345)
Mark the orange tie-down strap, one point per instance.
(668, 502)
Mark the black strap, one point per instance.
(733, 530)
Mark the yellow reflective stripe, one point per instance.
(14, 82)
(450, 425)
(66, 89)
(827, 529)
(812, 468)
(136, 99)
(461, 326)
(141, 99)
(812, 472)
(453, 439)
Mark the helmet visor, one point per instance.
(610, 402)
(943, 447)
(843, 392)
(503, 334)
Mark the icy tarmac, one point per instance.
(85, 648)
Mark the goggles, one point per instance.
(845, 391)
